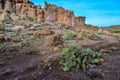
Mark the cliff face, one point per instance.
(16, 9)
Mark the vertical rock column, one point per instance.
(7, 9)
(0, 6)
(9, 6)
(40, 14)
(32, 12)
(50, 12)
(24, 10)
(80, 21)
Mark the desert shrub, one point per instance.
(2, 28)
(16, 37)
(30, 42)
(4, 46)
(78, 58)
(7, 21)
(45, 24)
(117, 35)
(22, 18)
(85, 33)
(69, 35)
(26, 26)
(8, 47)
(97, 37)
(30, 19)
(115, 31)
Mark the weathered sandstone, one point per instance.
(24, 9)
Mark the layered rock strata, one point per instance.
(22, 9)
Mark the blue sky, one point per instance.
(97, 12)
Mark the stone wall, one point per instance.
(50, 13)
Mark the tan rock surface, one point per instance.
(46, 31)
(53, 40)
(50, 13)
(79, 36)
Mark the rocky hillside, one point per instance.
(33, 40)
(23, 9)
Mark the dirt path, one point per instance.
(25, 66)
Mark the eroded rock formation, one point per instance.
(19, 9)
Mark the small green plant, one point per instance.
(7, 21)
(69, 35)
(116, 31)
(4, 46)
(26, 26)
(23, 18)
(97, 37)
(30, 19)
(78, 58)
(2, 28)
(30, 42)
(17, 37)
(117, 35)
(100, 37)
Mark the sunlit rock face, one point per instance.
(50, 13)
(80, 20)
(40, 14)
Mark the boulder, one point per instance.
(79, 36)
(100, 31)
(54, 40)
(77, 29)
(5, 16)
(36, 33)
(56, 49)
(46, 32)
(14, 17)
(107, 33)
